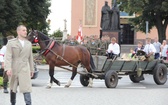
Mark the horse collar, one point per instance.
(49, 47)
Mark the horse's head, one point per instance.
(33, 36)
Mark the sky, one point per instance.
(60, 10)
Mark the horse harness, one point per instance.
(49, 49)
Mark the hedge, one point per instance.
(35, 49)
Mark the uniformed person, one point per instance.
(88, 43)
(19, 65)
(102, 46)
(93, 47)
(107, 41)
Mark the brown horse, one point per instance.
(62, 55)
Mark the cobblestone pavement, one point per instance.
(126, 92)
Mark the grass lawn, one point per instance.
(1, 82)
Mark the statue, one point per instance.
(105, 17)
(64, 31)
(65, 24)
(115, 17)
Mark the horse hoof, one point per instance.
(59, 84)
(48, 87)
(90, 86)
(66, 86)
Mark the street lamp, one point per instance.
(147, 28)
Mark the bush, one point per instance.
(35, 49)
(39, 59)
(1, 81)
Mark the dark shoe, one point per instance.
(6, 91)
(27, 98)
(12, 98)
(5, 86)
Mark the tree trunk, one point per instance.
(161, 28)
(161, 33)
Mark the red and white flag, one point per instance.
(79, 37)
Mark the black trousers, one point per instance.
(157, 55)
(27, 98)
(111, 55)
(5, 77)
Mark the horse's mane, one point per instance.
(45, 37)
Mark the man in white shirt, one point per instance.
(2, 53)
(149, 50)
(157, 45)
(113, 48)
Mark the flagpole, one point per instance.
(147, 28)
(79, 36)
(81, 27)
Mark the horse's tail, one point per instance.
(93, 67)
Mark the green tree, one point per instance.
(153, 11)
(57, 33)
(2, 15)
(32, 13)
(11, 13)
(38, 15)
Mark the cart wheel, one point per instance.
(160, 74)
(84, 80)
(111, 79)
(135, 78)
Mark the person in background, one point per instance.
(139, 47)
(18, 65)
(101, 46)
(113, 48)
(157, 45)
(164, 48)
(149, 50)
(2, 53)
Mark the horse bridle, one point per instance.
(35, 36)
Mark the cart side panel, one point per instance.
(129, 66)
(106, 65)
(99, 61)
(142, 64)
(151, 65)
(116, 65)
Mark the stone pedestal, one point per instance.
(64, 35)
(111, 34)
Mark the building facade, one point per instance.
(88, 14)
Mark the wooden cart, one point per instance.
(111, 70)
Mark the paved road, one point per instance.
(126, 93)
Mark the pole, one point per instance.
(147, 28)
